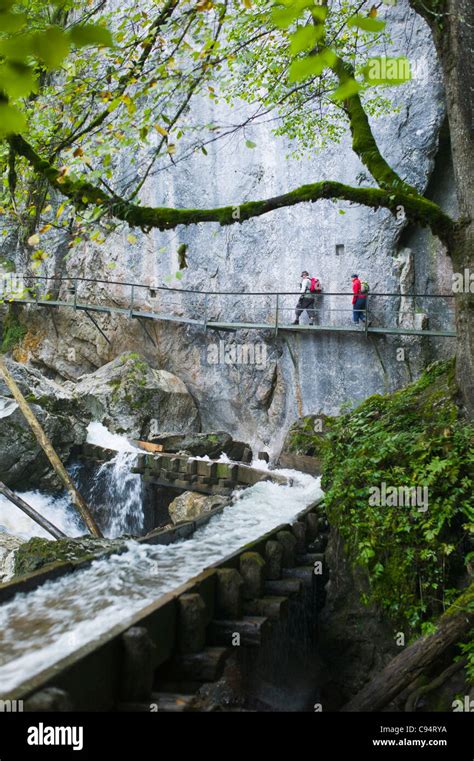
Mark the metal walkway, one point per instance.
(276, 323)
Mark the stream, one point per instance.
(40, 628)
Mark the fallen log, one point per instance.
(406, 667)
(48, 449)
(31, 512)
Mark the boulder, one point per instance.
(38, 552)
(8, 547)
(132, 398)
(212, 444)
(196, 444)
(22, 461)
(189, 506)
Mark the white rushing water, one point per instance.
(40, 628)
(58, 510)
(113, 490)
(115, 484)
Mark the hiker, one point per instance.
(309, 288)
(359, 299)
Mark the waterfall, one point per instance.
(117, 491)
(113, 491)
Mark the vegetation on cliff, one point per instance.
(417, 557)
(13, 330)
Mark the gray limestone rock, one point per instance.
(131, 397)
(189, 506)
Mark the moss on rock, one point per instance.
(41, 553)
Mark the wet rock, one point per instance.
(189, 506)
(356, 640)
(8, 547)
(131, 397)
(212, 444)
(196, 444)
(51, 699)
(22, 461)
(38, 552)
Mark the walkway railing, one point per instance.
(422, 314)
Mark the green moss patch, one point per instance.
(40, 553)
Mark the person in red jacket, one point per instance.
(359, 301)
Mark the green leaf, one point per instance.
(351, 87)
(85, 35)
(17, 48)
(12, 22)
(367, 24)
(311, 66)
(12, 120)
(250, 144)
(319, 12)
(284, 17)
(305, 38)
(286, 13)
(52, 46)
(17, 80)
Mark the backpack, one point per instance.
(315, 286)
(364, 287)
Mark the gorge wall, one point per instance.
(301, 374)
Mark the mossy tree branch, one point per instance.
(363, 141)
(82, 193)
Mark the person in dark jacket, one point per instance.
(306, 299)
(359, 301)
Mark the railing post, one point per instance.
(367, 315)
(276, 314)
(75, 294)
(206, 302)
(132, 297)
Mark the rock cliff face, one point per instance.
(127, 395)
(290, 375)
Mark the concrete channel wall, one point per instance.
(193, 627)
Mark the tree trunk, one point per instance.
(452, 23)
(454, 43)
(406, 667)
(48, 449)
